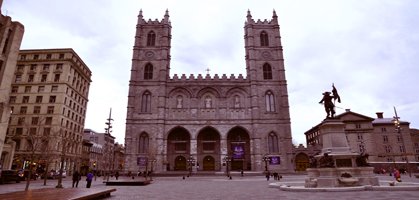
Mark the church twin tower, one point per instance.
(202, 123)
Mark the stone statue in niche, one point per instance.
(179, 101)
(208, 102)
(236, 102)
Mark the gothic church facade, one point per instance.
(204, 123)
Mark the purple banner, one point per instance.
(238, 151)
(142, 161)
(274, 160)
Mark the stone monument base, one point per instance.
(340, 177)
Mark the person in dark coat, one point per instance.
(76, 178)
(89, 179)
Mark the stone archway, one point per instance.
(238, 147)
(301, 162)
(178, 145)
(180, 163)
(208, 163)
(208, 147)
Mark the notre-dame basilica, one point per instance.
(203, 123)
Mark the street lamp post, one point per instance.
(107, 147)
(152, 161)
(266, 159)
(227, 160)
(191, 161)
(396, 120)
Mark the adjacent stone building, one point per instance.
(48, 99)
(11, 34)
(204, 123)
(388, 144)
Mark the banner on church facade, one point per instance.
(274, 160)
(142, 161)
(238, 150)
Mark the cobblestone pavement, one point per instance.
(219, 187)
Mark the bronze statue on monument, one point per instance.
(329, 106)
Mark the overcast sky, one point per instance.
(369, 49)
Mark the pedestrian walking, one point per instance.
(116, 175)
(76, 178)
(397, 176)
(89, 179)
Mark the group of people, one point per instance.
(89, 178)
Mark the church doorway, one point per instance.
(209, 163)
(208, 148)
(180, 163)
(178, 145)
(238, 144)
(301, 162)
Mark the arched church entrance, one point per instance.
(208, 163)
(301, 162)
(208, 149)
(178, 145)
(238, 144)
(180, 163)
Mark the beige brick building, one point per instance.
(48, 98)
(195, 122)
(11, 34)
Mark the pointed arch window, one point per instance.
(143, 143)
(264, 39)
(151, 39)
(148, 72)
(273, 143)
(146, 102)
(267, 71)
(270, 101)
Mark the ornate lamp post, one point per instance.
(190, 161)
(227, 160)
(266, 159)
(396, 121)
(108, 149)
(152, 161)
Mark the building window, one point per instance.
(19, 131)
(33, 67)
(61, 56)
(23, 110)
(143, 143)
(357, 126)
(30, 78)
(20, 68)
(385, 138)
(48, 121)
(56, 77)
(25, 99)
(48, 56)
(151, 38)
(270, 101)
(399, 138)
(52, 99)
(50, 110)
(267, 71)
(273, 143)
(146, 102)
(148, 72)
(38, 99)
(15, 89)
(54, 88)
(41, 88)
(47, 131)
(35, 120)
(37, 109)
(264, 39)
(23, 57)
(36, 57)
(46, 67)
(360, 137)
(387, 148)
(28, 89)
(383, 129)
(32, 131)
(12, 99)
(402, 149)
(18, 78)
(361, 148)
(44, 78)
(59, 67)
(21, 121)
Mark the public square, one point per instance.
(220, 187)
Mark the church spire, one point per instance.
(274, 17)
(140, 17)
(249, 16)
(166, 16)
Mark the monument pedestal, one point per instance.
(345, 171)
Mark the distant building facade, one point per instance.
(11, 34)
(48, 99)
(102, 153)
(386, 145)
(205, 123)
